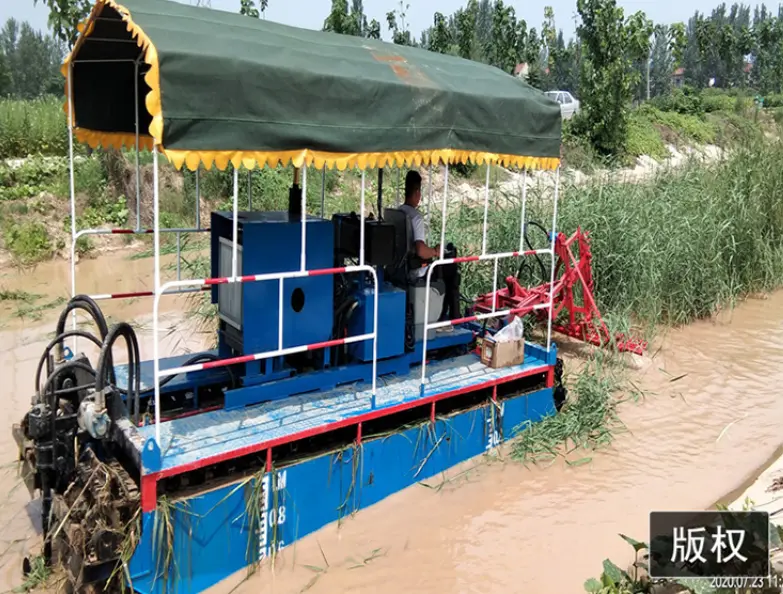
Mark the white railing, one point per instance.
(278, 276)
(441, 261)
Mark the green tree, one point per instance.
(248, 8)
(440, 37)
(504, 48)
(30, 62)
(662, 67)
(610, 46)
(395, 19)
(466, 29)
(351, 22)
(65, 16)
(5, 76)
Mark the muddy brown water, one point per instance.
(497, 526)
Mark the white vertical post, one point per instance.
(552, 264)
(486, 211)
(524, 205)
(443, 215)
(235, 231)
(426, 330)
(304, 217)
(198, 196)
(138, 173)
(280, 314)
(156, 281)
(323, 190)
(361, 225)
(429, 202)
(179, 256)
(495, 286)
(429, 281)
(250, 189)
(375, 339)
(72, 189)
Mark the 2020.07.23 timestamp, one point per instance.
(720, 583)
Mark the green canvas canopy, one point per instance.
(216, 87)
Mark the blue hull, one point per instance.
(214, 535)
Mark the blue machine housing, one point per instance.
(391, 323)
(271, 242)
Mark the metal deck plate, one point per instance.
(215, 433)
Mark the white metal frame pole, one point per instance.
(429, 202)
(361, 223)
(250, 189)
(156, 279)
(552, 272)
(72, 189)
(323, 190)
(486, 212)
(522, 223)
(303, 217)
(198, 196)
(138, 124)
(235, 229)
(429, 279)
(443, 214)
(375, 292)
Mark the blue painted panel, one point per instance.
(215, 536)
(540, 404)
(274, 246)
(271, 242)
(514, 415)
(391, 323)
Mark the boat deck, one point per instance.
(210, 437)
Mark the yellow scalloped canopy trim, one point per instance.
(252, 159)
(118, 140)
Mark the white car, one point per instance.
(568, 104)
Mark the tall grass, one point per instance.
(36, 127)
(668, 251)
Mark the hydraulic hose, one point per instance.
(524, 265)
(87, 304)
(105, 368)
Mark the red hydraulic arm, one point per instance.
(584, 320)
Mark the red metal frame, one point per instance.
(149, 481)
(584, 320)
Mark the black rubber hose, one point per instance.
(85, 303)
(523, 265)
(56, 341)
(105, 367)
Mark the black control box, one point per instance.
(379, 238)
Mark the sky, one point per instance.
(311, 13)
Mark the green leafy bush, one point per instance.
(644, 138)
(686, 101)
(28, 242)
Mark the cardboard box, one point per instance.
(502, 354)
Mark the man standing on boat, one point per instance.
(449, 273)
